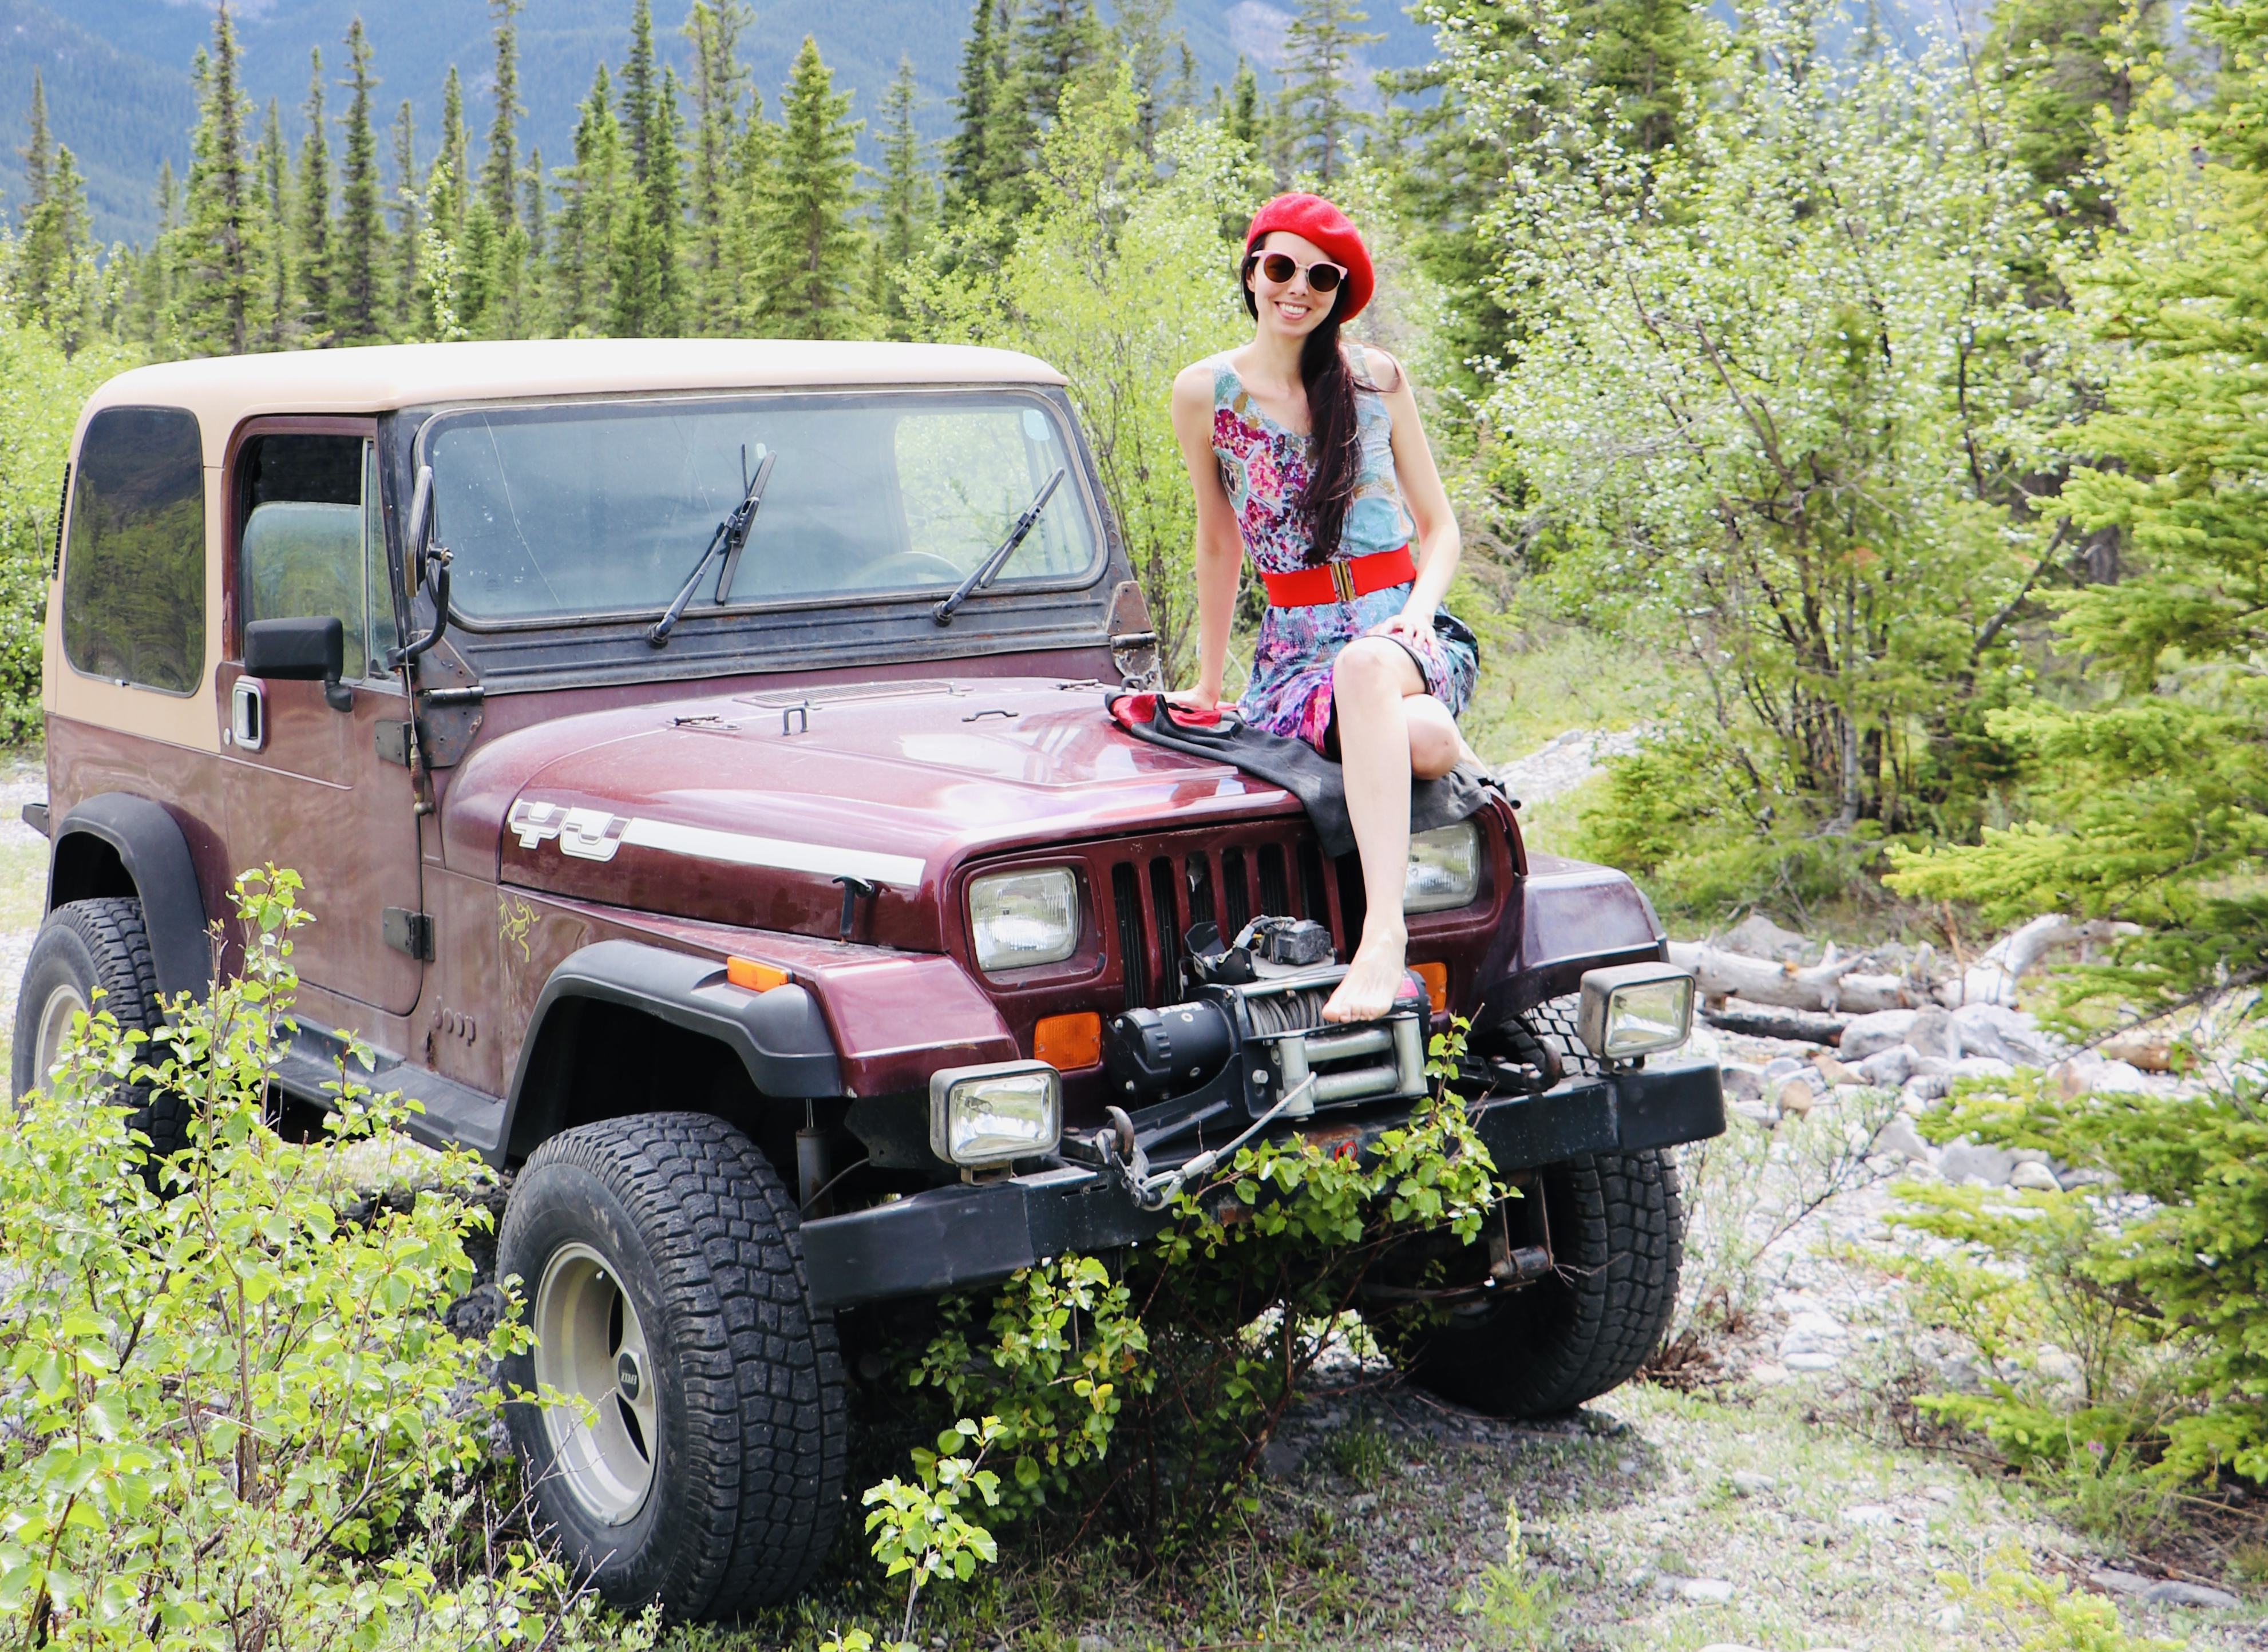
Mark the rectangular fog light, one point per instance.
(990, 1115)
(1634, 1009)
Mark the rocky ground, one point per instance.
(1774, 1496)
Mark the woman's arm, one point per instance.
(1439, 543)
(1219, 543)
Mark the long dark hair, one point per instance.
(1330, 384)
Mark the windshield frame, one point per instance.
(1056, 406)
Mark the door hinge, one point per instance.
(406, 931)
(394, 742)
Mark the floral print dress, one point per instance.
(1265, 469)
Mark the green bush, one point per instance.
(2166, 1308)
(234, 1415)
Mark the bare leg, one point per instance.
(1371, 682)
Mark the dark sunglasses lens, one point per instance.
(1323, 277)
(1278, 265)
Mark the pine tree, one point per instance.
(454, 148)
(968, 152)
(220, 239)
(908, 199)
(58, 282)
(1243, 120)
(39, 154)
(639, 91)
(648, 277)
(278, 321)
(718, 77)
(754, 151)
(810, 246)
(1147, 47)
(533, 214)
(1319, 54)
(2061, 62)
(500, 168)
(1056, 41)
(151, 303)
(409, 221)
(313, 261)
(358, 296)
(591, 193)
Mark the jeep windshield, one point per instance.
(595, 510)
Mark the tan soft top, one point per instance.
(223, 390)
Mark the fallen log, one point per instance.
(1833, 986)
(1758, 1021)
(1991, 978)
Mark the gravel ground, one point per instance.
(1561, 765)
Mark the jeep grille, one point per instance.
(1159, 888)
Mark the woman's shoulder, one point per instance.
(1384, 373)
(1204, 378)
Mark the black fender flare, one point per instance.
(780, 1035)
(154, 855)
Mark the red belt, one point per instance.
(1341, 579)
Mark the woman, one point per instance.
(1306, 454)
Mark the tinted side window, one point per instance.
(134, 571)
(302, 551)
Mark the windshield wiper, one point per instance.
(733, 535)
(992, 565)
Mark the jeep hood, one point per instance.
(749, 810)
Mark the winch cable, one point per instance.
(1154, 1192)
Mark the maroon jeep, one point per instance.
(698, 755)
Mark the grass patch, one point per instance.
(1543, 681)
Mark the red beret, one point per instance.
(1329, 228)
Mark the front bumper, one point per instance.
(964, 1236)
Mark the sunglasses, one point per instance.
(1281, 267)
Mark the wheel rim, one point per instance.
(591, 1349)
(55, 1015)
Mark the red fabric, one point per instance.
(1310, 587)
(1329, 228)
(1129, 709)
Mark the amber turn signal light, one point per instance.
(1066, 1042)
(1436, 977)
(757, 977)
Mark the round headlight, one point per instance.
(1020, 918)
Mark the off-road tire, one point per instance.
(748, 1462)
(1618, 1230)
(87, 945)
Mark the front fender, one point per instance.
(114, 833)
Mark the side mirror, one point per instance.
(430, 569)
(310, 651)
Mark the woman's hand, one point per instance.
(1405, 626)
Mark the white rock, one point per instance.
(1742, 1082)
(1981, 1067)
(1712, 1592)
(1965, 1161)
(1864, 1035)
(2059, 1368)
(1811, 1331)
(1768, 1371)
(1933, 1034)
(2195, 1595)
(1748, 1483)
(2035, 1178)
(1756, 1112)
(1811, 1362)
(1783, 1067)
(1948, 1620)
(2112, 1580)
(1728, 1646)
(1872, 1515)
(1759, 936)
(2010, 1034)
(1899, 1136)
(1944, 1495)
(1888, 1067)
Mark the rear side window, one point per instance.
(133, 570)
(303, 550)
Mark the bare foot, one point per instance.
(1373, 978)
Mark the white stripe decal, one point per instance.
(741, 849)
